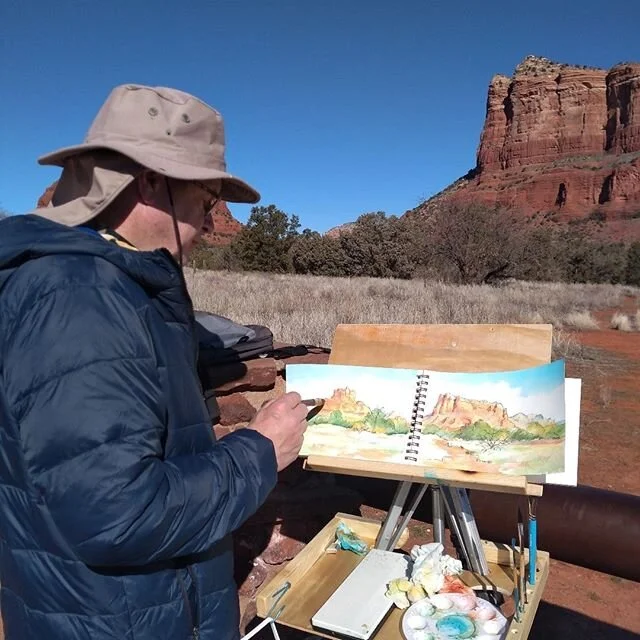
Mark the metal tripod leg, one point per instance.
(437, 511)
(464, 526)
(453, 501)
(402, 525)
(389, 525)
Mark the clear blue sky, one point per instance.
(333, 107)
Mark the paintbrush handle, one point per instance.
(523, 593)
(516, 579)
(533, 549)
(313, 402)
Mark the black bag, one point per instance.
(223, 346)
(222, 340)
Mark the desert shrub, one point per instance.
(580, 320)
(431, 429)
(265, 241)
(336, 417)
(463, 243)
(622, 322)
(480, 430)
(521, 435)
(212, 258)
(318, 255)
(632, 268)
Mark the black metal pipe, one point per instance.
(593, 528)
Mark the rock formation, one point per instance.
(453, 413)
(341, 229)
(345, 401)
(561, 140)
(225, 226)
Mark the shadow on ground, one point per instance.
(553, 621)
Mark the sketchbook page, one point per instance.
(511, 422)
(568, 477)
(366, 414)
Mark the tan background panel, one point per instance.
(443, 347)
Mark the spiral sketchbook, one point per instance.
(511, 422)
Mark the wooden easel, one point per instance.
(308, 580)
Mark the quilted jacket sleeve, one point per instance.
(81, 377)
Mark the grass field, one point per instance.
(306, 309)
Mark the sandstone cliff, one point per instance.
(562, 140)
(452, 413)
(345, 401)
(225, 226)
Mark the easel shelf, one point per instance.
(413, 473)
(314, 575)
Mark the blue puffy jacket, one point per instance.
(116, 502)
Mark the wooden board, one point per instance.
(499, 483)
(296, 568)
(315, 575)
(443, 347)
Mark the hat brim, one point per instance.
(233, 189)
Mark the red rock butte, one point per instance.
(562, 140)
(453, 413)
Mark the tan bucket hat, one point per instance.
(165, 130)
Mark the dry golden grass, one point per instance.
(621, 322)
(624, 322)
(306, 309)
(581, 320)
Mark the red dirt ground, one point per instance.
(580, 603)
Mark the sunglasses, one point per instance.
(215, 197)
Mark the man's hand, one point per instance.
(284, 422)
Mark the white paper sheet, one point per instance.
(568, 477)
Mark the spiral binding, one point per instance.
(417, 414)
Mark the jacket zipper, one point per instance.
(196, 626)
(195, 631)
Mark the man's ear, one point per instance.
(150, 188)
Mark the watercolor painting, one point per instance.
(366, 414)
(509, 422)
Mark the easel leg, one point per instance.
(463, 525)
(437, 510)
(389, 525)
(402, 525)
(260, 627)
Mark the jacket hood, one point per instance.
(30, 236)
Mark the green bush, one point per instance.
(336, 418)
(632, 270)
(480, 430)
(521, 434)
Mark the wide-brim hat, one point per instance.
(165, 130)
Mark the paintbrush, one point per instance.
(533, 539)
(523, 589)
(313, 402)
(316, 405)
(516, 582)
